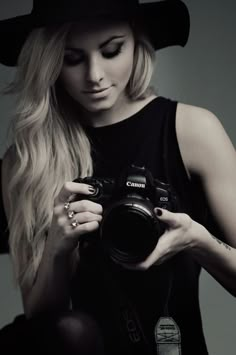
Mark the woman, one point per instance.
(85, 108)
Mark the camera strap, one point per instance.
(166, 332)
(129, 322)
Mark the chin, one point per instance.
(98, 106)
(98, 109)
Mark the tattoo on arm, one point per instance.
(220, 242)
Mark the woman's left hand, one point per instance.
(181, 234)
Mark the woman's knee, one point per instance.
(79, 334)
(68, 333)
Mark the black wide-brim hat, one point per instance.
(167, 22)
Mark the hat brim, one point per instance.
(13, 33)
(167, 23)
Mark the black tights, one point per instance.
(70, 333)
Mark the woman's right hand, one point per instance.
(63, 237)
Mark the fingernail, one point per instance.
(158, 211)
(91, 189)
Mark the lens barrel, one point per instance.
(130, 230)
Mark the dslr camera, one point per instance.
(130, 230)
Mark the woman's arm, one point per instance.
(51, 290)
(208, 152)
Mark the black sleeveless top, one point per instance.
(147, 138)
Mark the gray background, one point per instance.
(202, 74)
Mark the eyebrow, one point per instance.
(103, 44)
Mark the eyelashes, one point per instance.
(75, 59)
(114, 53)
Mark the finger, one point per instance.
(130, 266)
(157, 257)
(78, 207)
(86, 227)
(86, 217)
(150, 260)
(70, 188)
(86, 206)
(83, 217)
(147, 262)
(168, 217)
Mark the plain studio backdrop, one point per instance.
(202, 74)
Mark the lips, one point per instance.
(96, 91)
(98, 94)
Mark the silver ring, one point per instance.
(67, 206)
(74, 224)
(70, 214)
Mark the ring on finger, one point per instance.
(74, 224)
(67, 205)
(70, 214)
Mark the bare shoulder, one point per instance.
(189, 118)
(201, 136)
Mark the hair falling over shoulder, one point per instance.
(50, 147)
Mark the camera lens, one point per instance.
(130, 232)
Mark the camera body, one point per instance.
(130, 230)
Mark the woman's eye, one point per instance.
(110, 53)
(73, 59)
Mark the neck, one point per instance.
(122, 109)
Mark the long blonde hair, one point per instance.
(49, 147)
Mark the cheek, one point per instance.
(71, 80)
(123, 69)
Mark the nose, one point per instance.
(95, 72)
